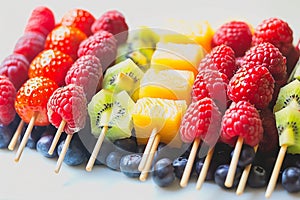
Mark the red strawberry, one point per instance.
(65, 39)
(241, 119)
(275, 31)
(86, 72)
(254, 84)
(235, 34)
(79, 18)
(213, 84)
(202, 119)
(114, 22)
(52, 64)
(269, 56)
(103, 45)
(15, 67)
(7, 100)
(41, 21)
(220, 58)
(30, 45)
(68, 103)
(32, 98)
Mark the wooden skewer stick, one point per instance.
(234, 161)
(96, 149)
(204, 169)
(242, 184)
(147, 150)
(26, 136)
(189, 165)
(144, 173)
(276, 170)
(16, 136)
(57, 136)
(63, 153)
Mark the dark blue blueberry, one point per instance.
(5, 136)
(76, 154)
(179, 166)
(211, 169)
(140, 148)
(291, 179)
(113, 160)
(126, 144)
(129, 165)
(34, 136)
(163, 172)
(221, 174)
(43, 146)
(247, 155)
(257, 177)
(15, 123)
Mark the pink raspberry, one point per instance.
(7, 101)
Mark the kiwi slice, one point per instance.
(295, 73)
(288, 95)
(288, 127)
(113, 79)
(99, 110)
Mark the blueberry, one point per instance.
(75, 154)
(5, 136)
(257, 177)
(140, 148)
(127, 144)
(113, 160)
(163, 172)
(291, 179)
(211, 169)
(129, 165)
(221, 174)
(34, 136)
(247, 155)
(179, 166)
(43, 146)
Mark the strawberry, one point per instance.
(241, 119)
(7, 100)
(32, 98)
(202, 119)
(79, 18)
(15, 67)
(275, 31)
(114, 22)
(269, 56)
(235, 34)
(52, 64)
(65, 39)
(68, 103)
(41, 21)
(252, 83)
(86, 72)
(103, 45)
(30, 44)
(221, 58)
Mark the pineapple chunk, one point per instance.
(167, 84)
(163, 114)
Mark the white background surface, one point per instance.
(33, 177)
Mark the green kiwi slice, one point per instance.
(288, 95)
(288, 127)
(295, 73)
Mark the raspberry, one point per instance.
(7, 100)
(86, 72)
(213, 84)
(202, 119)
(65, 39)
(30, 45)
(270, 139)
(68, 103)
(275, 31)
(241, 119)
(103, 45)
(32, 97)
(41, 21)
(235, 34)
(15, 67)
(254, 84)
(79, 18)
(220, 58)
(114, 22)
(52, 64)
(269, 56)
